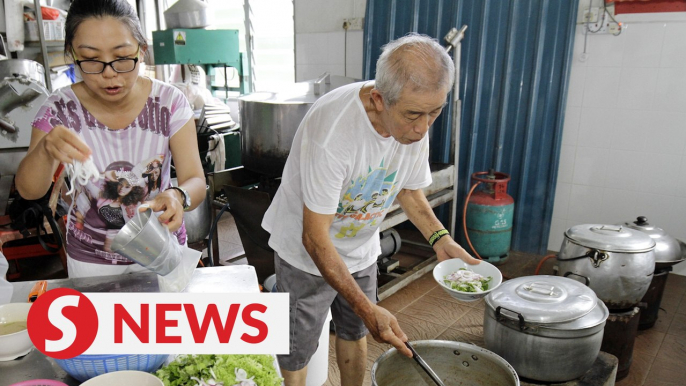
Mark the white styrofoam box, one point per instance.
(637, 87)
(577, 79)
(605, 50)
(601, 87)
(670, 90)
(590, 166)
(561, 204)
(565, 171)
(596, 127)
(630, 129)
(643, 44)
(52, 30)
(624, 169)
(667, 133)
(570, 131)
(585, 204)
(618, 205)
(674, 47)
(557, 234)
(659, 174)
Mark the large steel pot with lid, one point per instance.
(617, 262)
(549, 328)
(668, 250)
(269, 121)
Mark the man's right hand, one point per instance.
(385, 329)
(65, 146)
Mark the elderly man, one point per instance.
(359, 147)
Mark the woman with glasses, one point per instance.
(114, 118)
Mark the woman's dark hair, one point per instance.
(111, 191)
(81, 10)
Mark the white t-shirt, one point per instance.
(339, 164)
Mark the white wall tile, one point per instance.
(577, 79)
(630, 129)
(615, 205)
(570, 130)
(335, 44)
(605, 50)
(643, 44)
(681, 181)
(624, 169)
(561, 205)
(601, 87)
(590, 166)
(585, 204)
(666, 133)
(302, 45)
(596, 127)
(557, 234)
(637, 87)
(354, 54)
(658, 208)
(674, 47)
(659, 174)
(578, 59)
(565, 172)
(670, 90)
(675, 225)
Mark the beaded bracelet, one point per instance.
(437, 236)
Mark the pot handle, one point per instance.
(586, 279)
(500, 317)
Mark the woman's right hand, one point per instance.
(65, 146)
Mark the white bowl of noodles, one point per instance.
(466, 282)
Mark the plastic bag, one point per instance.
(178, 279)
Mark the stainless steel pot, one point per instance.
(187, 14)
(455, 363)
(199, 220)
(616, 261)
(548, 328)
(667, 248)
(269, 121)
(17, 68)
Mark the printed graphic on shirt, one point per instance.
(102, 208)
(366, 201)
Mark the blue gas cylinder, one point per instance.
(489, 217)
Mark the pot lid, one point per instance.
(544, 299)
(667, 248)
(610, 238)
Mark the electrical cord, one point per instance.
(211, 235)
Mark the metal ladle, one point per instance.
(424, 365)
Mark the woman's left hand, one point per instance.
(168, 202)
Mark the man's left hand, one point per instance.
(446, 248)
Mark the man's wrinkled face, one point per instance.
(411, 116)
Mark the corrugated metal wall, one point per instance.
(516, 59)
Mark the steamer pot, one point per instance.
(617, 262)
(667, 248)
(549, 328)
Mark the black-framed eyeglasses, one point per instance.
(97, 67)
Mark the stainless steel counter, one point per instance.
(35, 365)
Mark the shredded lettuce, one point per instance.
(221, 370)
(464, 280)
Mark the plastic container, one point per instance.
(117, 378)
(6, 288)
(39, 382)
(84, 367)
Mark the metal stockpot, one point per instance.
(269, 121)
(615, 261)
(17, 68)
(548, 328)
(667, 248)
(199, 220)
(187, 14)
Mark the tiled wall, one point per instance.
(321, 44)
(624, 139)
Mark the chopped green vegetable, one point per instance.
(188, 369)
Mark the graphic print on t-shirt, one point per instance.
(366, 201)
(110, 203)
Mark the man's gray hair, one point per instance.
(414, 60)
